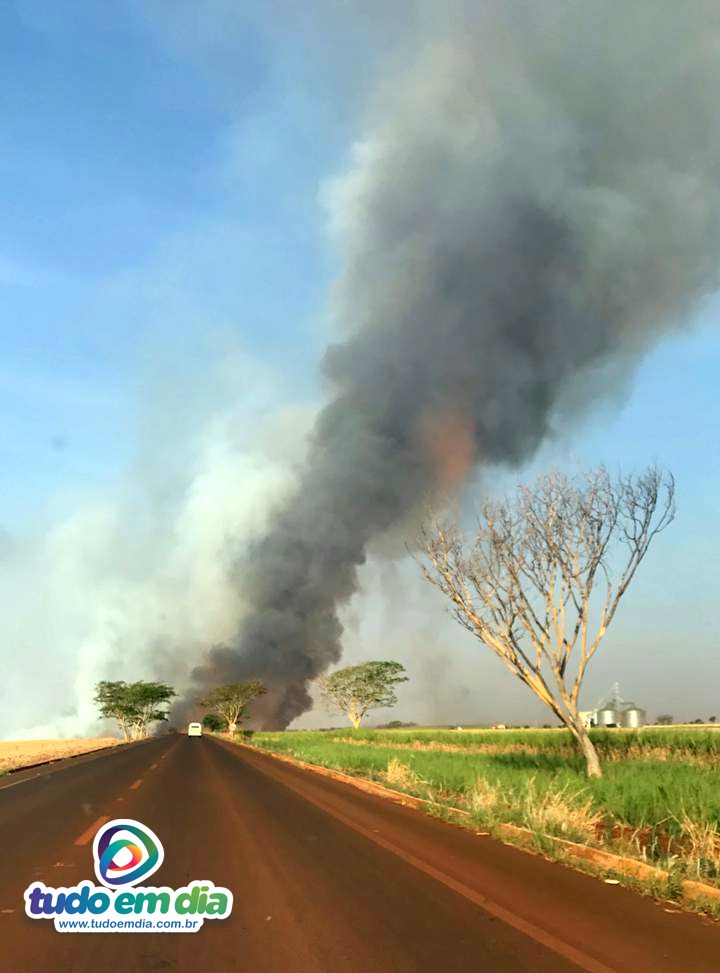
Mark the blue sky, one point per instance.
(151, 194)
(162, 167)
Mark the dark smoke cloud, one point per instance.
(537, 195)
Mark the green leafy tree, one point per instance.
(665, 719)
(356, 690)
(214, 723)
(149, 702)
(133, 705)
(114, 704)
(230, 701)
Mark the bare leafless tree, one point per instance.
(542, 579)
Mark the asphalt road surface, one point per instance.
(324, 878)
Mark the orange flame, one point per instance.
(450, 442)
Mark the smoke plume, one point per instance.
(537, 195)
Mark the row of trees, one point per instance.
(666, 719)
(538, 583)
(136, 705)
(354, 691)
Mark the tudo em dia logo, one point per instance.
(125, 853)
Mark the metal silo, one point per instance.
(608, 716)
(633, 717)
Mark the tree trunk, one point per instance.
(587, 748)
(355, 720)
(232, 727)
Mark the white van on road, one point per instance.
(194, 729)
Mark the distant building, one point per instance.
(614, 711)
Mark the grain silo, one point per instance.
(633, 717)
(608, 715)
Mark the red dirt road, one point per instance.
(325, 878)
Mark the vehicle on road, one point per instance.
(194, 729)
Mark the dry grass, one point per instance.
(401, 775)
(15, 754)
(702, 847)
(484, 800)
(559, 811)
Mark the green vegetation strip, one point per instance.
(637, 793)
(666, 811)
(674, 743)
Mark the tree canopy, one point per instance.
(214, 722)
(231, 700)
(355, 690)
(134, 705)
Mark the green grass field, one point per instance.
(671, 743)
(660, 793)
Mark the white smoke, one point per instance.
(138, 580)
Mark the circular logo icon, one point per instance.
(126, 852)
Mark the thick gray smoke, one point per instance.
(537, 195)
